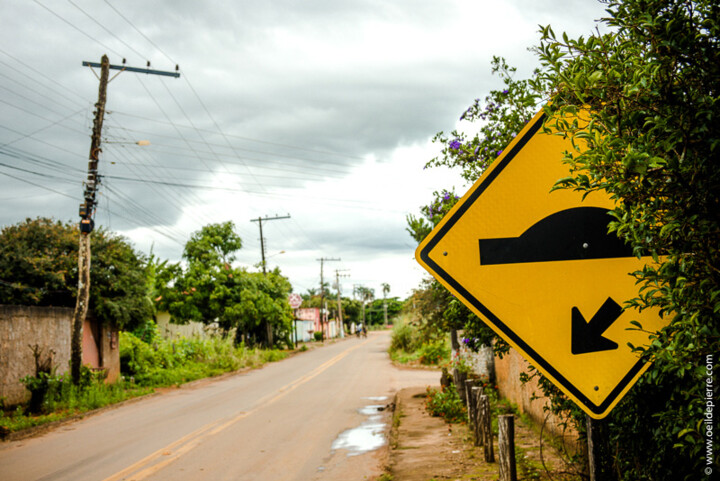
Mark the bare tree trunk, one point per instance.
(81, 306)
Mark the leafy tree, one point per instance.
(214, 244)
(352, 310)
(211, 290)
(375, 311)
(38, 267)
(651, 91)
(263, 303)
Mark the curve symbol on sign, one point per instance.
(571, 234)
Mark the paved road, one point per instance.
(275, 423)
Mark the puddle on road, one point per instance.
(369, 435)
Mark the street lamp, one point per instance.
(141, 143)
(264, 261)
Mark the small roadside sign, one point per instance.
(540, 268)
(295, 300)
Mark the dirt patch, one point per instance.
(425, 448)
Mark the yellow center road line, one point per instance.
(166, 455)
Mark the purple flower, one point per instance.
(477, 149)
(499, 152)
(505, 91)
(462, 117)
(455, 144)
(446, 196)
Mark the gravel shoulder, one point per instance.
(426, 448)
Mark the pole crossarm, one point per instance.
(134, 69)
(260, 220)
(322, 261)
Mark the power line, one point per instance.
(41, 74)
(79, 29)
(138, 31)
(39, 185)
(52, 124)
(107, 29)
(26, 86)
(22, 109)
(74, 154)
(36, 159)
(41, 174)
(250, 139)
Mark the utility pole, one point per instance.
(322, 289)
(260, 220)
(87, 208)
(339, 301)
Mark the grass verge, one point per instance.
(145, 366)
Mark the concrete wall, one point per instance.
(21, 326)
(50, 329)
(176, 331)
(507, 371)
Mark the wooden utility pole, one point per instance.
(86, 226)
(259, 220)
(87, 209)
(322, 290)
(339, 301)
(599, 455)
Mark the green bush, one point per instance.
(434, 352)
(165, 362)
(318, 335)
(408, 345)
(62, 399)
(403, 338)
(446, 403)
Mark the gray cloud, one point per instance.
(279, 103)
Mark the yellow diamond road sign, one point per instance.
(540, 268)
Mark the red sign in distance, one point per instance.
(295, 300)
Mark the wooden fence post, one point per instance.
(485, 425)
(479, 422)
(459, 378)
(476, 392)
(470, 400)
(506, 447)
(469, 384)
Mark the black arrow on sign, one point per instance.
(588, 336)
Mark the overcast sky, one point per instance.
(323, 110)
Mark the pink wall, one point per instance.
(90, 351)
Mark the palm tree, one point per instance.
(366, 294)
(386, 291)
